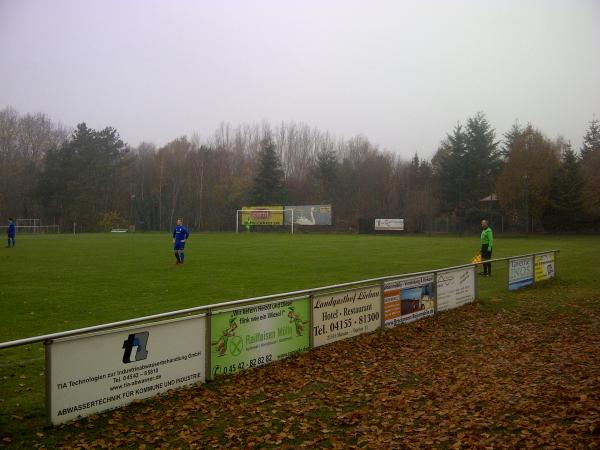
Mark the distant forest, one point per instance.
(521, 181)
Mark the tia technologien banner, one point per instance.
(258, 334)
(101, 371)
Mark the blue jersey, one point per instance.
(180, 233)
(11, 229)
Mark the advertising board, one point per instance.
(255, 335)
(520, 272)
(342, 315)
(408, 299)
(455, 288)
(309, 215)
(101, 371)
(544, 267)
(262, 215)
(389, 224)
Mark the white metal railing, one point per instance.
(229, 304)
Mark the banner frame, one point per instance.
(48, 356)
(207, 347)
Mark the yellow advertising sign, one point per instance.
(544, 267)
(262, 215)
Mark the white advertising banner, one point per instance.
(455, 288)
(389, 224)
(408, 299)
(101, 371)
(544, 267)
(345, 314)
(309, 215)
(520, 272)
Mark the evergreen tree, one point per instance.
(450, 174)
(482, 159)
(591, 140)
(590, 155)
(269, 185)
(509, 139)
(565, 208)
(78, 182)
(466, 167)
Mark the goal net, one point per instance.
(257, 218)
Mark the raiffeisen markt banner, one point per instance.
(255, 335)
(345, 314)
(262, 215)
(96, 372)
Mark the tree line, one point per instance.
(520, 181)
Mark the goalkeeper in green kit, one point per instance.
(487, 241)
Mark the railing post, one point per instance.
(311, 339)
(208, 346)
(48, 373)
(476, 280)
(382, 297)
(435, 294)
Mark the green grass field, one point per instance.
(60, 282)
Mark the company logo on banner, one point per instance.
(520, 272)
(544, 267)
(389, 224)
(260, 215)
(455, 288)
(97, 372)
(255, 335)
(408, 299)
(139, 342)
(345, 314)
(309, 215)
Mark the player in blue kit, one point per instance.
(10, 233)
(180, 234)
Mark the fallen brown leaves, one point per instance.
(471, 378)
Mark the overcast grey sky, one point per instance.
(401, 73)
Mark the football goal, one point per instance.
(33, 226)
(251, 219)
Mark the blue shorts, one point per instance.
(179, 245)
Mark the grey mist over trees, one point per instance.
(522, 181)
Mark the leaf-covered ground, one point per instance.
(523, 373)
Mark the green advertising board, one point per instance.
(255, 335)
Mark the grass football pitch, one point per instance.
(53, 283)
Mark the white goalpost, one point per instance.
(251, 218)
(33, 226)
